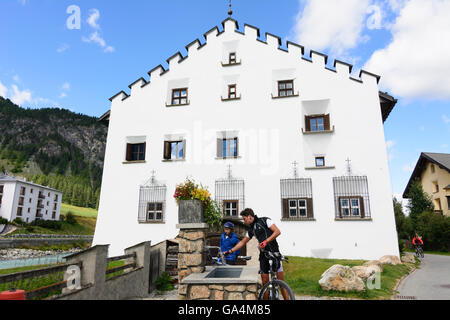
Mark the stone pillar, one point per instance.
(191, 255)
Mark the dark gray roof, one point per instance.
(440, 159)
(7, 178)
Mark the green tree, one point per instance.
(434, 230)
(420, 201)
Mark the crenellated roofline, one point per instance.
(270, 39)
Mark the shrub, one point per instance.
(164, 282)
(62, 218)
(3, 221)
(434, 230)
(19, 222)
(48, 224)
(70, 218)
(29, 228)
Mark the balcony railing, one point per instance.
(41, 196)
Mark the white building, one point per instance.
(28, 201)
(263, 127)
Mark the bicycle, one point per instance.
(419, 252)
(275, 286)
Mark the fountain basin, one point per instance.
(224, 272)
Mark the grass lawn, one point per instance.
(84, 226)
(303, 275)
(78, 211)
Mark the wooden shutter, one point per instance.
(285, 208)
(309, 206)
(237, 146)
(129, 154)
(361, 207)
(326, 121)
(219, 148)
(184, 149)
(307, 124)
(339, 207)
(167, 151)
(144, 146)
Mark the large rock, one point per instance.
(341, 278)
(365, 272)
(394, 260)
(408, 258)
(374, 264)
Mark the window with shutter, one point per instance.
(296, 199)
(174, 150)
(351, 197)
(135, 151)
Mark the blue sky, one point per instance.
(44, 63)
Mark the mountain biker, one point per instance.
(266, 233)
(227, 241)
(417, 240)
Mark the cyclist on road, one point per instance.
(417, 240)
(227, 241)
(266, 233)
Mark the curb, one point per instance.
(394, 296)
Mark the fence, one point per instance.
(37, 284)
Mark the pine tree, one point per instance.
(420, 201)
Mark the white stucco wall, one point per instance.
(271, 139)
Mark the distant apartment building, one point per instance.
(433, 171)
(28, 201)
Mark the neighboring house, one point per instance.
(433, 171)
(263, 127)
(28, 201)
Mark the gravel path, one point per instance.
(430, 282)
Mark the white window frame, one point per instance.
(155, 212)
(298, 208)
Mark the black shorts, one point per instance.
(264, 264)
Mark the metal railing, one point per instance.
(37, 284)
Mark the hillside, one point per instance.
(54, 147)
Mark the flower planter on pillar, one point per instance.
(190, 211)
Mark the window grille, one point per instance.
(351, 197)
(296, 198)
(152, 194)
(230, 189)
(296, 188)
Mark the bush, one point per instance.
(70, 218)
(3, 221)
(29, 228)
(164, 282)
(48, 224)
(435, 231)
(19, 222)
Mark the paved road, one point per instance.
(430, 282)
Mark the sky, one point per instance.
(77, 54)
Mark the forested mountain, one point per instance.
(54, 147)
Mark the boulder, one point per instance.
(341, 278)
(365, 272)
(374, 264)
(394, 260)
(409, 258)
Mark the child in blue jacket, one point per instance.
(227, 241)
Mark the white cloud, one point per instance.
(408, 168)
(20, 96)
(16, 78)
(62, 48)
(66, 86)
(63, 95)
(93, 18)
(416, 64)
(3, 90)
(95, 37)
(330, 24)
(445, 119)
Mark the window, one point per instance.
(432, 168)
(436, 186)
(229, 148)
(448, 202)
(296, 198)
(135, 152)
(152, 198)
(31, 190)
(317, 123)
(351, 197)
(320, 161)
(21, 200)
(286, 88)
(232, 91)
(174, 150)
(230, 208)
(154, 211)
(56, 197)
(232, 58)
(179, 96)
(350, 206)
(54, 215)
(55, 206)
(22, 191)
(29, 210)
(19, 211)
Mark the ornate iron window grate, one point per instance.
(230, 189)
(351, 187)
(296, 188)
(151, 194)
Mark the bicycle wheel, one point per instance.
(275, 291)
(421, 253)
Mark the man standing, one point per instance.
(265, 232)
(227, 241)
